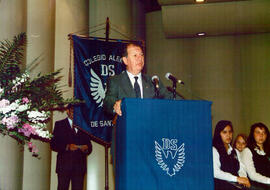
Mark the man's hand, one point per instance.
(84, 148)
(244, 181)
(117, 107)
(72, 147)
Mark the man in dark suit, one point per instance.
(72, 146)
(124, 85)
(131, 83)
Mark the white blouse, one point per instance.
(251, 170)
(219, 174)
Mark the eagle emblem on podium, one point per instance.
(169, 157)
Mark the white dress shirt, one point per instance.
(219, 174)
(132, 79)
(71, 123)
(251, 170)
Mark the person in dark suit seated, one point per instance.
(131, 83)
(256, 157)
(72, 147)
(229, 173)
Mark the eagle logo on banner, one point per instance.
(170, 158)
(97, 90)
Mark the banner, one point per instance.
(164, 145)
(94, 62)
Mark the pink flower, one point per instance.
(30, 144)
(10, 122)
(34, 149)
(27, 130)
(25, 100)
(4, 103)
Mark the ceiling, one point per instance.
(185, 18)
(154, 5)
(182, 2)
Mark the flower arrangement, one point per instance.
(25, 103)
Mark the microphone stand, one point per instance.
(156, 92)
(170, 89)
(174, 90)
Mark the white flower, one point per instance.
(14, 105)
(5, 106)
(40, 129)
(39, 126)
(1, 91)
(22, 108)
(5, 110)
(36, 116)
(43, 134)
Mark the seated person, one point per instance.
(228, 171)
(240, 143)
(256, 157)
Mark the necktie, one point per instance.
(73, 129)
(137, 88)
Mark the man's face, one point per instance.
(70, 113)
(134, 60)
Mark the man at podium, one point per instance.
(147, 154)
(131, 83)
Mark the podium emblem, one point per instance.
(170, 157)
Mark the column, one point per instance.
(40, 34)
(12, 22)
(70, 17)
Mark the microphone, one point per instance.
(155, 81)
(169, 76)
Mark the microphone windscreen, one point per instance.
(155, 77)
(168, 75)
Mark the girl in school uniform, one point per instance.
(256, 157)
(240, 143)
(228, 170)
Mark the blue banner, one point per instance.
(164, 145)
(94, 62)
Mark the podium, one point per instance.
(164, 145)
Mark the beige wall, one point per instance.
(231, 71)
(254, 58)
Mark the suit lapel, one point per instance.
(127, 86)
(68, 127)
(146, 87)
(128, 89)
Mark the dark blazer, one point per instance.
(69, 161)
(119, 87)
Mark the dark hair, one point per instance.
(251, 141)
(217, 141)
(239, 135)
(72, 106)
(125, 47)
